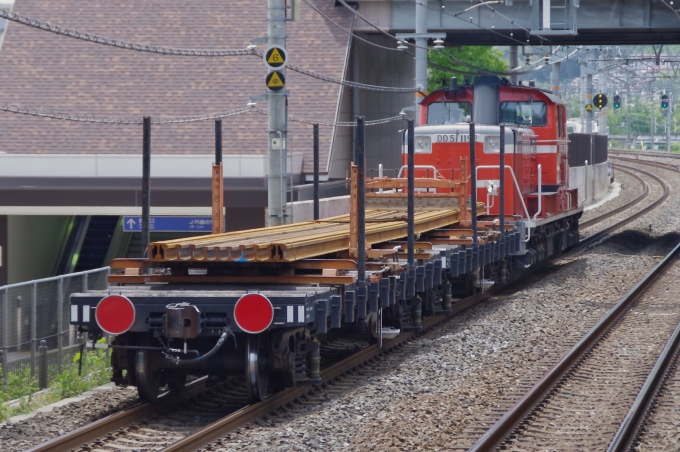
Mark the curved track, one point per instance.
(142, 426)
(576, 405)
(643, 195)
(570, 408)
(601, 234)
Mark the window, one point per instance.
(524, 113)
(447, 112)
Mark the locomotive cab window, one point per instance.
(524, 113)
(447, 112)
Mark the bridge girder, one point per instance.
(569, 22)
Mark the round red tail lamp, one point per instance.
(253, 313)
(115, 314)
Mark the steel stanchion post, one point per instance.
(42, 367)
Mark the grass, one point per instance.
(95, 372)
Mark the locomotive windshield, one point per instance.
(524, 113)
(447, 112)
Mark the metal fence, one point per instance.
(36, 338)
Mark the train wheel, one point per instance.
(257, 366)
(371, 330)
(148, 376)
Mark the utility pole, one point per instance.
(555, 78)
(420, 37)
(513, 63)
(589, 101)
(582, 97)
(278, 121)
(602, 117)
(628, 100)
(421, 54)
(668, 112)
(652, 128)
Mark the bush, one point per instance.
(95, 372)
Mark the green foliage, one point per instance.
(4, 398)
(21, 383)
(95, 372)
(485, 57)
(640, 118)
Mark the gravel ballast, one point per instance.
(433, 393)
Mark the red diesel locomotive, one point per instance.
(536, 188)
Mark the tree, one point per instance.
(484, 57)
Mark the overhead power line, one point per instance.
(118, 120)
(127, 45)
(130, 121)
(373, 122)
(469, 66)
(354, 35)
(338, 81)
(52, 28)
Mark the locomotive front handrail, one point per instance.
(540, 192)
(512, 172)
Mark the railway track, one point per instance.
(580, 402)
(142, 426)
(631, 217)
(551, 413)
(586, 224)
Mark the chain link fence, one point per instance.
(36, 339)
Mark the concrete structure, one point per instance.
(552, 22)
(592, 182)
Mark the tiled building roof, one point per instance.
(47, 71)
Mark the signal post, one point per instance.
(277, 113)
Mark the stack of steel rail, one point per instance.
(298, 241)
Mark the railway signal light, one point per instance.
(600, 101)
(617, 101)
(664, 101)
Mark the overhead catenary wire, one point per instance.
(127, 45)
(373, 122)
(119, 120)
(125, 121)
(671, 8)
(96, 39)
(354, 35)
(482, 70)
(121, 44)
(338, 81)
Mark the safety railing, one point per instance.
(36, 339)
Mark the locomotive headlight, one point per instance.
(492, 144)
(423, 144)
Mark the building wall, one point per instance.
(34, 245)
(374, 66)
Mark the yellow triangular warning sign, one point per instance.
(275, 81)
(589, 107)
(275, 57)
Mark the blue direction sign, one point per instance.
(169, 224)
